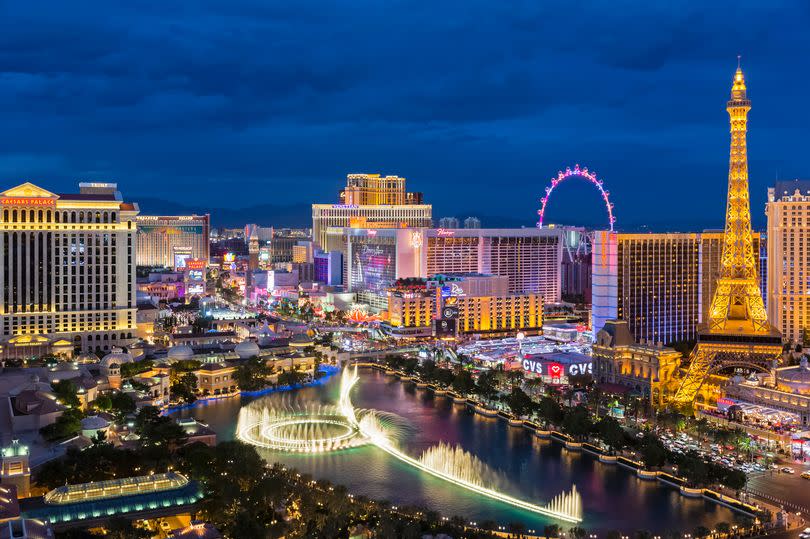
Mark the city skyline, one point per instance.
(245, 101)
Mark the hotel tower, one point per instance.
(68, 270)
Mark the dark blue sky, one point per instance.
(478, 104)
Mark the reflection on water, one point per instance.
(535, 470)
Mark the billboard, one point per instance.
(445, 328)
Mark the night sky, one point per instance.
(239, 103)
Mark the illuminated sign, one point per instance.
(228, 258)
(345, 206)
(25, 201)
(371, 233)
(445, 232)
(452, 290)
(554, 369)
(416, 240)
(195, 275)
(196, 289)
(195, 264)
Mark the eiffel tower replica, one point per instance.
(737, 334)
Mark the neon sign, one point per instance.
(416, 240)
(24, 201)
(445, 232)
(345, 206)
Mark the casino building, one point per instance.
(529, 259)
(167, 241)
(661, 284)
(369, 200)
(68, 270)
(452, 304)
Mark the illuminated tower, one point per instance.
(737, 332)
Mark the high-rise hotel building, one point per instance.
(68, 269)
(369, 200)
(529, 258)
(169, 240)
(661, 284)
(788, 284)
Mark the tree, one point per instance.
(550, 410)
(577, 532)
(735, 479)
(701, 531)
(653, 452)
(185, 389)
(723, 527)
(611, 432)
(551, 530)
(519, 402)
(103, 403)
(66, 425)
(577, 422)
(158, 430)
(485, 385)
(66, 392)
(122, 404)
(291, 378)
(463, 382)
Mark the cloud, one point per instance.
(260, 96)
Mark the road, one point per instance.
(790, 490)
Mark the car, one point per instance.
(787, 470)
(806, 475)
(805, 534)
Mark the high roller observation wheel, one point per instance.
(581, 173)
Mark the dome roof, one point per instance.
(246, 349)
(94, 422)
(117, 357)
(180, 352)
(795, 379)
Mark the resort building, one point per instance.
(788, 289)
(650, 370)
(530, 259)
(369, 200)
(216, 379)
(661, 284)
(448, 305)
(67, 269)
(168, 240)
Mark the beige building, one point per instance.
(369, 200)
(788, 286)
(649, 370)
(478, 304)
(68, 266)
(168, 240)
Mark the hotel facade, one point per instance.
(68, 270)
(168, 240)
(660, 284)
(369, 201)
(449, 305)
(788, 274)
(529, 259)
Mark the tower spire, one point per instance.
(738, 332)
